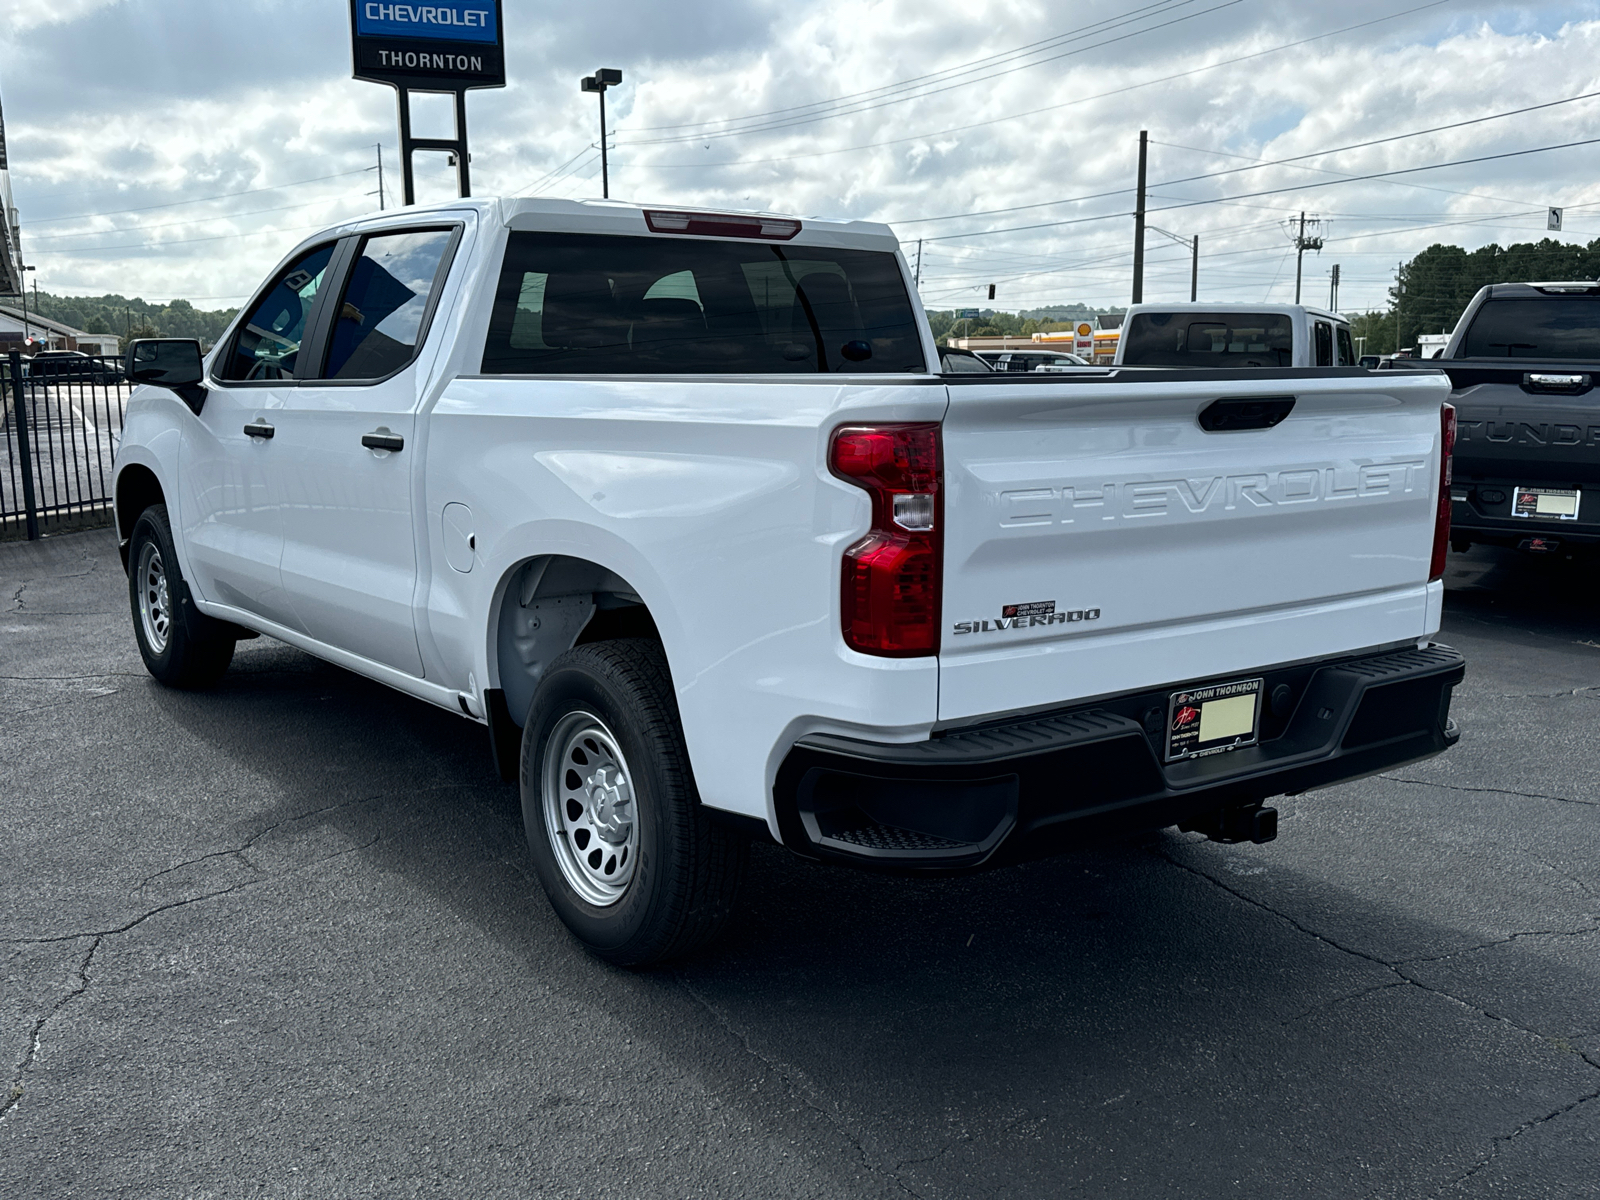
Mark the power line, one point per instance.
(946, 73)
(1055, 107)
(863, 106)
(1299, 187)
(1261, 164)
(555, 171)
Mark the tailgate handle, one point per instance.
(1547, 381)
(1254, 412)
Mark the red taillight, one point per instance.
(1441, 521)
(890, 593)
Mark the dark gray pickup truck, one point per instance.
(1523, 365)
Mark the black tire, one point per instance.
(181, 646)
(685, 869)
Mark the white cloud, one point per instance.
(122, 106)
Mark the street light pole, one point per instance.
(598, 82)
(1138, 223)
(27, 332)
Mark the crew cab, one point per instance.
(1234, 335)
(681, 507)
(1523, 363)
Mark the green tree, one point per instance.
(1434, 288)
(119, 315)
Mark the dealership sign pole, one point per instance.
(448, 46)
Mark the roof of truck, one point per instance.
(1235, 306)
(627, 217)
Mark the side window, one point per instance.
(1324, 335)
(267, 345)
(379, 321)
(1347, 350)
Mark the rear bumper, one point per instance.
(994, 794)
(1481, 512)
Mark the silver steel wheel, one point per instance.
(155, 604)
(589, 810)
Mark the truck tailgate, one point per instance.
(1098, 540)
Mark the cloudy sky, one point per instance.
(178, 148)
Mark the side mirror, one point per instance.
(170, 363)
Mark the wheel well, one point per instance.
(137, 490)
(551, 604)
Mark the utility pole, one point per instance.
(919, 263)
(1194, 257)
(1398, 267)
(1302, 243)
(1138, 223)
(1333, 289)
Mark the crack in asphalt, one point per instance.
(99, 935)
(35, 1041)
(1411, 962)
(1338, 1000)
(796, 1087)
(1589, 692)
(1454, 787)
(73, 678)
(16, 597)
(1405, 978)
(1282, 916)
(1573, 879)
(1501, 1141)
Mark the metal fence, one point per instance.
(60, 423)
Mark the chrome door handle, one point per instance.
(259, 429)
(382, 439)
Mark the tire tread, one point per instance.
(697, 899)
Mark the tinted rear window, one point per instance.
(593, 304)
(1568, 327)
(1190, 339)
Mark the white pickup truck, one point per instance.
(679, 506)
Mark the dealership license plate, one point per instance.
(1560, 504)
(1213, 720)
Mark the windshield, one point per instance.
(1568, 327)
(1190, 339)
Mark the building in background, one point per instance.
(17, 327)
(11, 281)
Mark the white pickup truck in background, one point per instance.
(1207, 334)
(679, 505)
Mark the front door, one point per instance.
(232, 524)
(344, 481)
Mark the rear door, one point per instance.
(1098, 539)
(347, 450)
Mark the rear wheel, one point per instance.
(180, 646)
(630, 862)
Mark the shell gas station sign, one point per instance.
(1083, 341)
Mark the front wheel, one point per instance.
(631, 863)
(180, 646)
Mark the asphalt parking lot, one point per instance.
(282, 940)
